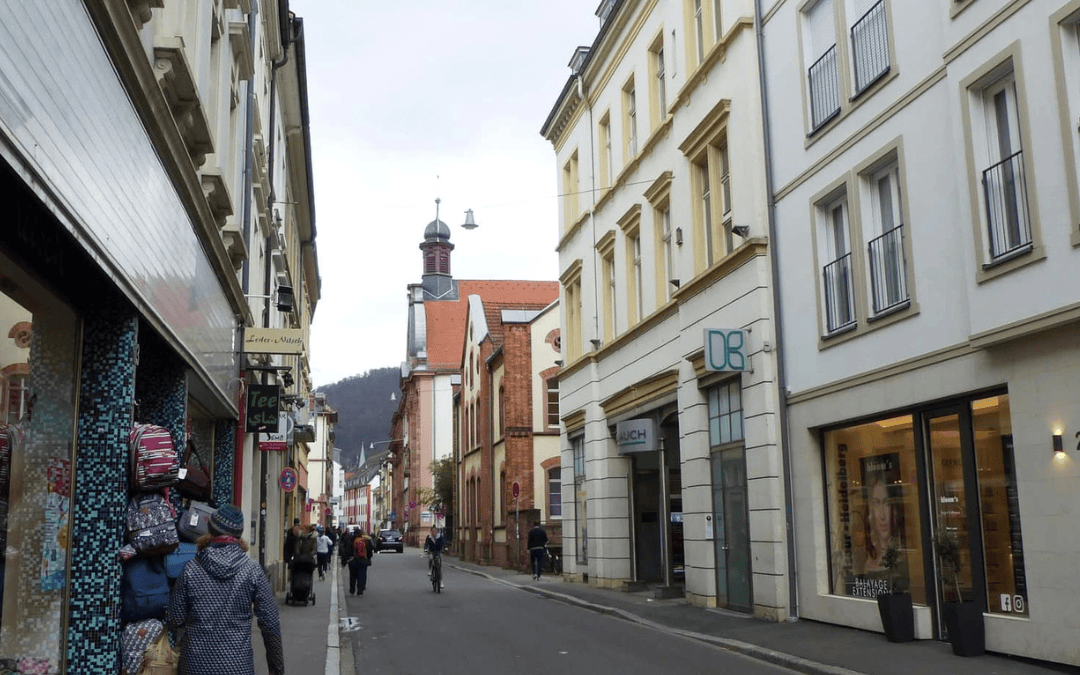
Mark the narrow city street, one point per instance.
(478, 626)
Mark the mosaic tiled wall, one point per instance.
(224, 457)
(100, 499)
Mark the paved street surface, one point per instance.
(490, 620)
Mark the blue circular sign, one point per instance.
(288, 479)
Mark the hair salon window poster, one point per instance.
(878, 521)
(57, 507)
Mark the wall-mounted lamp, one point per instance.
(286, 301)
(674, 282)
(558, 362)
(678, 236)
(596, 342)
(287, 379)
(1059, 448)
(741, 230)
(470, 222)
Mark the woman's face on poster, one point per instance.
(880, 511)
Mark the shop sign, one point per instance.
(276, 441)
(288, 479)
(635, 436)
(726, 350)
(273, 341)
(262, 408)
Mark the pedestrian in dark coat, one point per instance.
(213, 599)
(537, 545)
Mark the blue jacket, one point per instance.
(213, 600)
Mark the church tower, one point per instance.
(437, 282)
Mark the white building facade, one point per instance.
(925, 176)
(663, 238)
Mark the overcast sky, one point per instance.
(416, 99)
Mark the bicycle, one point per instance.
(436, 573)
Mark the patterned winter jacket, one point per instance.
(213, 600)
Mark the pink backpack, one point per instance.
(154, 463)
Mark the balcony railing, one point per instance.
(824, 88)
(870, 46)
(1005, 187)
(888, 275)
(839, 304)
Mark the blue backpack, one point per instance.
(175, 561)
(144, 590)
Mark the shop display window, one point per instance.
(872, 507)
(1003, 550)
(37, 429)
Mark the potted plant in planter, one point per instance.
(897, 617)
(963, 619)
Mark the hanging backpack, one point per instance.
(136, 640)
(195, 522)
(144, 590)
(150, 526)
(154, 464)
(178, 559)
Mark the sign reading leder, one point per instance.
(273, 341)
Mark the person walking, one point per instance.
(537, 543)
(292, 538)
(213, 600)
(363, 550)
(322, 550)
(345, 547)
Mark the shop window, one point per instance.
(1003, 549)
(873, 506)
(37, 425)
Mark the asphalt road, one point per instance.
(480, 626)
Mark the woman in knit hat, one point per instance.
(213, 600)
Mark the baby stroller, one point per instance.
(301, 571)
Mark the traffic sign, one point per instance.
(287, 479)
(412, 503)
(516, 490)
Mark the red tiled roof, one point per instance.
(446, 318)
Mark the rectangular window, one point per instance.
(661, 85)
(725, 198)
(823, 74)
(572, 341)
(869, 43)
(725, 413)
(606, 163)
(837, 273)
(885, 252)
(630, 101)
(635, 247)
(669, 252)
(699, 31)
(717, 26)
(571, 188)
(581, 511)
(611, 297)
(553, 402)
(1003, 179)
(705, 182)
(554, 493)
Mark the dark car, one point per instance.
(389, 540)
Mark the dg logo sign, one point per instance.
(727, 350)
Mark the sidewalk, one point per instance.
(310, 633)
(804, 646)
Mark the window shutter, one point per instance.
(821, 22)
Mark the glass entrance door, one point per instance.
(951, 471)
(732, 529)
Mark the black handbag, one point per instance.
(196, 481)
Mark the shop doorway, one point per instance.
(731, 530)
(657, 517)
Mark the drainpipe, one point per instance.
(781, 370)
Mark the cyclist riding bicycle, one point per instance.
(433, 546)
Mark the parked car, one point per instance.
(389, 540)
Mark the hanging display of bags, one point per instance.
(144, 590)
(195, 522)
(136, 640)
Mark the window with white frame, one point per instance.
(1002, 172)
(836, 274)
(606, 163)
(725, 413)
(669, 251)
(554, 495)
(570, 190)
(823, 75)
(699, 30)
(634, 245)
(659, 80)
(630, 133)
(717, 27)
(705, 200)
(581, 504)
(611, 296)
(885, 247)
(1067, 67)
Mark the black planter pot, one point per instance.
(897, 617)
(964, 622)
